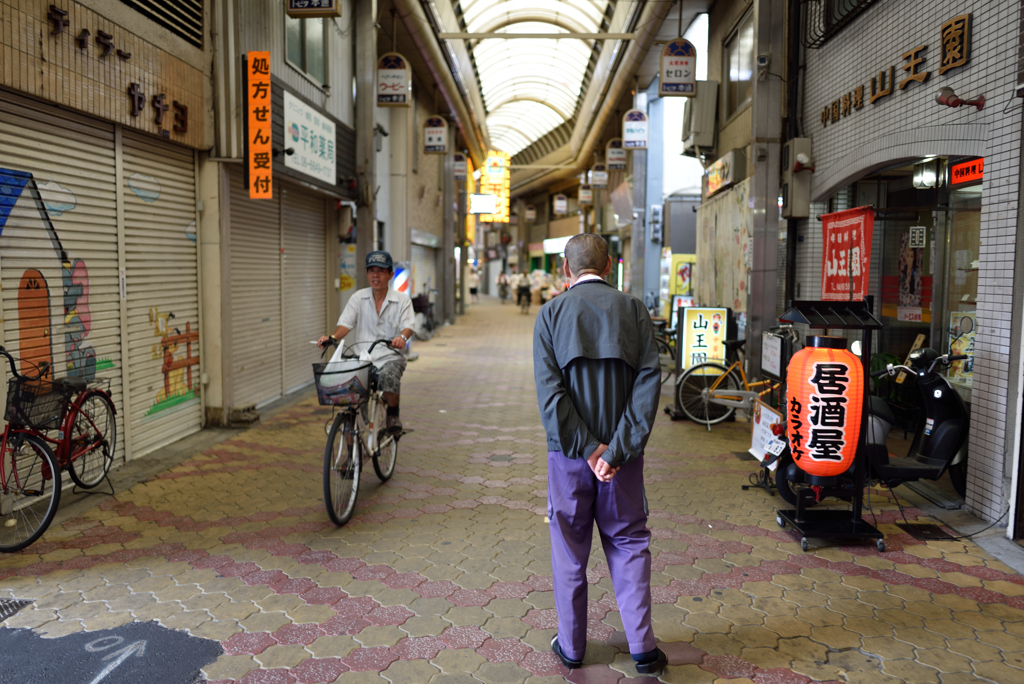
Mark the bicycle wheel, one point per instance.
(29, 491)
(93, 439)
(342, 466)
(386, 446)
(693, 393)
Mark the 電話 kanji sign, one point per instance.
(846, 255)
(256, 67)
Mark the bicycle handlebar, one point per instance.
(42, 367)
(334, 343)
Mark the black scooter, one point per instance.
(940, 443)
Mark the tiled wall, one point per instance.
(909, 124)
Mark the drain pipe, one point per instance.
(426, 41)
(651, 19)
(793, 131)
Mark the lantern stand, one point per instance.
(836, 524)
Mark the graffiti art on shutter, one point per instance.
(178, 350)
(32, 205)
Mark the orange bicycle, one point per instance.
(709, 392)
(83, 415)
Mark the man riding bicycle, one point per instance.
(522, 285)
(378, 312)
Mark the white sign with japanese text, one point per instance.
(311, 135)
(561, 204)
(394, 81)
(634, 130)
(435, 136)
(615, 155)
(762, 440)
(678, 76)
(459, 167)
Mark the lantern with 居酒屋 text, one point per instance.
(824, 402)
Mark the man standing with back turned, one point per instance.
(598, 383)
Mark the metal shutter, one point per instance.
(255, 250)
(68, 205)
(161, 265)
(305, 289)
(424, 269)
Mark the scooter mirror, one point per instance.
(966, 325)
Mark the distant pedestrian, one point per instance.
(474, 285)
(521, 281)
(598, 383)
(503, 284)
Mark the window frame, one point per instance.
(727, 115)
(301, 68)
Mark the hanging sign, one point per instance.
(678, 74)
(531, 213)
(599, 176)
(586, 195)
(394, 81)
(435, 136)
(634, 130)
(496, 179)
(459, 166)
(260, 176)
(615, 155)
(967, 172)
(311, 135)
(313, 8)
(704, 332)
(846, 258)
(561, 204)
(825, 397)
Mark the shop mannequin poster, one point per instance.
(846, 255)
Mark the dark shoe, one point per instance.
(654, 667)
(393, 425)
(571, 664)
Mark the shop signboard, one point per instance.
(721, 174)
(347, 268)
(846, 258)
(599, 176)
(561, 204)
(677, 302)
(313, 8)
(681, 282)
(961, 341)
(917, 237)
(394, 81)
(615, 155)
(459, 169)
(496, 179)
(531, 213)
(634, 130)
(678, 74)
(967, 172)
(260, 174)
(311, 135)
(535, 249)
(586, 196)
(909, 314)
(435, 136)
(771, 354)
(761, 436)
(704, 331)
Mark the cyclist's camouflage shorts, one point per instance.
(389, 376)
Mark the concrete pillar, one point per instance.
(364, 17)
(401, 161)
(213, 255)
(454, 227)
(638, 241)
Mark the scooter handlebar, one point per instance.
(880, 373)
(958, 357)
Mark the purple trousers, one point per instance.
(576, 500)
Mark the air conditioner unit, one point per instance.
(797, 168)
(699, 120)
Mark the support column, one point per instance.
(365, 16)
(452, 233)
(638, 241)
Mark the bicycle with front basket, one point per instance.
(357, 429)
(83, 415)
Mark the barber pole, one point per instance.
(401, 280)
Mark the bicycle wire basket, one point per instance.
(342, 383)
(36, 404)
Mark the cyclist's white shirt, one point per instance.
(361, 318)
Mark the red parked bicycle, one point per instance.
(83, 415)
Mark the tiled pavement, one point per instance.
(443, 575)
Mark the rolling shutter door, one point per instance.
(305, 289)
(67, 204)
(163, 292)
(424, 268)
(255, 249)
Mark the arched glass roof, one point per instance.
(530, 86)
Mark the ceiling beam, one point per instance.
(536, 36)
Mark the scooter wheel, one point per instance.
(881, 545)
(780, 521)
(803, 543)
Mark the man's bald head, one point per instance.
(586, 252)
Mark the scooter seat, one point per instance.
(880, 408)
(909, 469)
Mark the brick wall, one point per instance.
(909, 124)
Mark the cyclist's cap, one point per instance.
(381, 259)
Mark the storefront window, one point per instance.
(962, 260)
(304, 46)
(739, 66)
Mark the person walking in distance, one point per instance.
(598, 383)
(522, 285)
(378, 312)
(474, 285)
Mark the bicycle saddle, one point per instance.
(734, 344)
(73, 384)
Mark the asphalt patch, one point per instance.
(133, 653)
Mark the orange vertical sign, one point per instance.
(257, 130)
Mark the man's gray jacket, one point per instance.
(597, 372)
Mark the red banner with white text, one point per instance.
(846, 257)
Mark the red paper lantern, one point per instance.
(824, 402)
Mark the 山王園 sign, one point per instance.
(846, 256)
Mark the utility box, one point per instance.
(655, 223)
(796, 178)
(699, 120)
